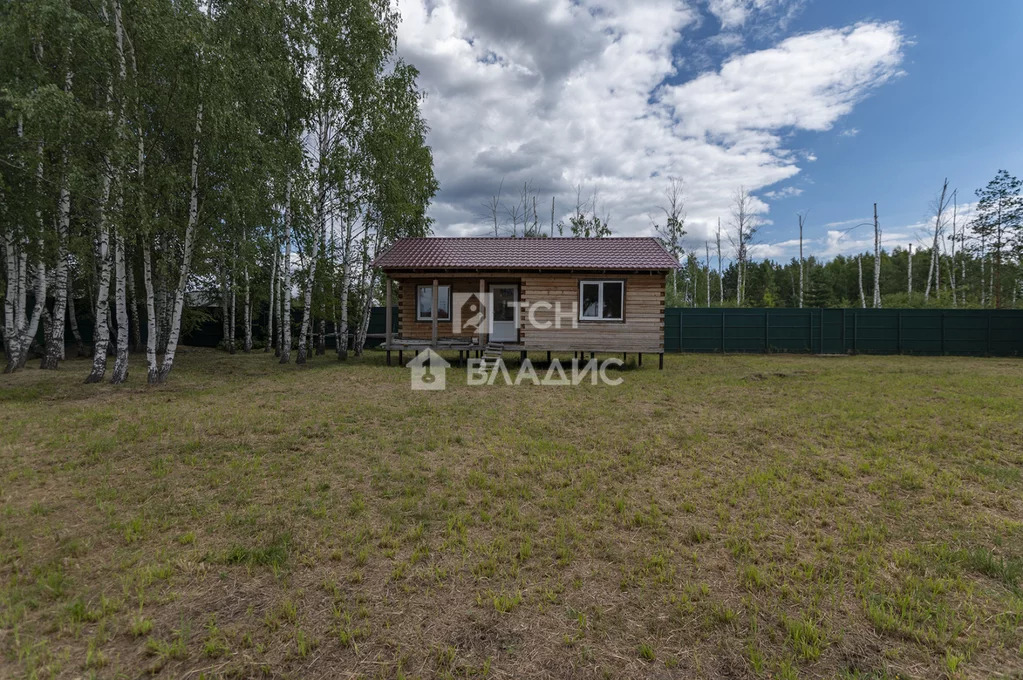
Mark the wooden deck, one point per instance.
(490, 350)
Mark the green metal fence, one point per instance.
(840, 331)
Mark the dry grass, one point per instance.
(730, 516)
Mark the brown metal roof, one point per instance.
(627, 253)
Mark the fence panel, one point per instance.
(838, 331)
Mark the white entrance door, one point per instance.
(504, 326)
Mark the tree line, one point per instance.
(975, 262)
(247, 152)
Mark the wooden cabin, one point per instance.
(556, 295)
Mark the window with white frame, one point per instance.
(602, 300)
(424, 303)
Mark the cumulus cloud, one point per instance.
(561, 93)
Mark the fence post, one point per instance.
(988, 340)
(898, 334)
(943, 334)
(821, 312)
(722, 331)
(680, 330)
(809, 331)
(767, 332)
(845, 350)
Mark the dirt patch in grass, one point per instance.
(736, 516)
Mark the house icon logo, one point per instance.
(470, 312)
(429, 371)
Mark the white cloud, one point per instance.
(785, 192)
(562, 93)
(734, 14)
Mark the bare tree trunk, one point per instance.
(186, 262)
(153, 373)
(247, 312)
(909, 282)
(286, 282)
(721, 275)
(346, 287)
(101, 331)
(225, 312)
(134, 307)
(234, 305)
(802, 219)
(121, 306)
(272, 312)
(983, 256)
(952, 262)
(321, 227)
(934, 272)
(73, 321)
(360, 336)
(877, 261)
(706, 262)
(859, 265)
(307, 301)
(55, 340)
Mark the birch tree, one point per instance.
(745, 224)
(934, 271)
(672, 232)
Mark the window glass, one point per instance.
(591, 301)
(504, 301)
(612, 300)
(424, 303)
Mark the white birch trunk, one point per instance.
(120, 293)
(186, 262)
(706, 262)
(286, 281)
(55, 342)
(721, 277)
(247, 312)
(909, 282)
(153, 372)
(73, 320)
(877, 261)
(346, 287)
(863, 297)
(270, 338)
(121, 309)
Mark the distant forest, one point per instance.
(968, 261)
(836, 283)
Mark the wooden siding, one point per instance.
(642, 330)
(410, 329)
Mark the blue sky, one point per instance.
(820, 107)
(956, 112)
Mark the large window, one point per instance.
(602, 300)
(424, 303)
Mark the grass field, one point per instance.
(731, 516)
